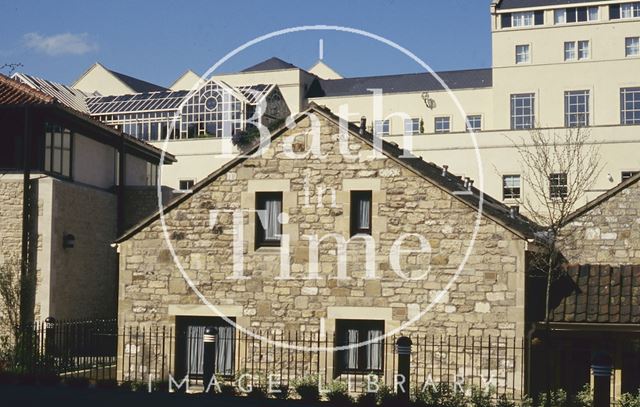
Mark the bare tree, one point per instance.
(10, 67)
(558, 168)
(10, 301)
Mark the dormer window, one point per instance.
(576, 15)
(522, 19)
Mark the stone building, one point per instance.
(286, 283)
(76, 171)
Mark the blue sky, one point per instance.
(159, 40)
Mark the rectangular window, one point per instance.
(152, 174)
(511, 187)
(58, 150)
(570, 53)
(268, 226)
(630, 106)
(558, 187)
(583, 50)
(632, 46)
(522, 111)
(523, 55)
(443, 124)
(411, 127)
(576, 15)
(381, 128)
(576, 108)
(576, 50)
(474, 123)
(186, 184)
(628, 174)
(190, 346)
(524, 19)
(360, 359)
(361, 205)
(630, 10)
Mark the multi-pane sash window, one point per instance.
(570, 51)
(558, 187)
(632, 46)
(442, 124)
(576, 108)
(268, 226)
(57, 153)
(630, 106)
(630, 10)
(361, 212)
(511, 187)
(583, 50)
(362, 359)
(576, 50)
(411, 127)
(522, 111)
(525, 19)
(523, 54)
(576, 15)
(628, 174)
(474, 122)
(381, 128)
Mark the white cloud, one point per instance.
(60, 44)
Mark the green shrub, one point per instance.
(307, 388)
(503, 401)
(283, 394)
(481, 397)
(630, 400)
(338, 394)
(558, 399)
(441, 395)
(584, 398)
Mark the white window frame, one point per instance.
(523, 19)
(625, 175)
(515, 115)
(381, 128)
(558, 190)
(193, 182)
(570, 51)
(411, 126)
(584, 50)
(508, 190)
(523, 54)
(560, 15)
(469, 121)
(630, 10)
(442, 119)
(632, 47)
(577, 105)
(630, 116)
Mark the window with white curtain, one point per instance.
(411, 126)
(632, 46)
(360, 212)
(523, 54)
(366, 358)
(268, 226)
(190, 345)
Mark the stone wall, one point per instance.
(486, 299)
(607, 234)
(142, 201)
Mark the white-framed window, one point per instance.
(186, 184)
(632, 46)
(523, 54)
(474, 122)
(523, 111)
(558, 185)
(576, 15)
(625, 175)
(576, 108)
(524, 19)
(411, 126)
(630, 106)
(152, 174)
(58, 150)
(364, 358)
(442, 124)
(381, 128)
(511, 187)
(630, 10)
(577, 50)
(268, 226)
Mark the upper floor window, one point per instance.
(442, 124)
(511, 187)
(524, 19)
(576, 108)
(558, 187)
(630, 10)
(268, 226)
(576, 15)
(152, 174)
(474, 122)
(360, 212)
(630, 106)
(628, 174)
(353, 358)
(57, 153)
(632, 46)
(523, 54)
(522, 111)
(381, 128)
(186, 184)
(576, 50)
(411, 127)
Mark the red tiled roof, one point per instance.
(15, 93)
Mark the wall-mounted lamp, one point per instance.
(68, 241)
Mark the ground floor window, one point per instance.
(360, 359)
(190, 346)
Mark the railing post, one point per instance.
(209, 356)
(403, 379)
(49, 336)
(601, 368)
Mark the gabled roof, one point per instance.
(454, 185)
(14, 93)
(603, 198)
(134, 84)
(271, 64)
(185, 81)
(519, 4)
(74, 98)
(599, 294)
(415, 82)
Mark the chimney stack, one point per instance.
(514, 211)
(363, 125)
(445, 170)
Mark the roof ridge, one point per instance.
(28, 90)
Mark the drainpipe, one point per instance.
(121, 182)
(26, 213)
